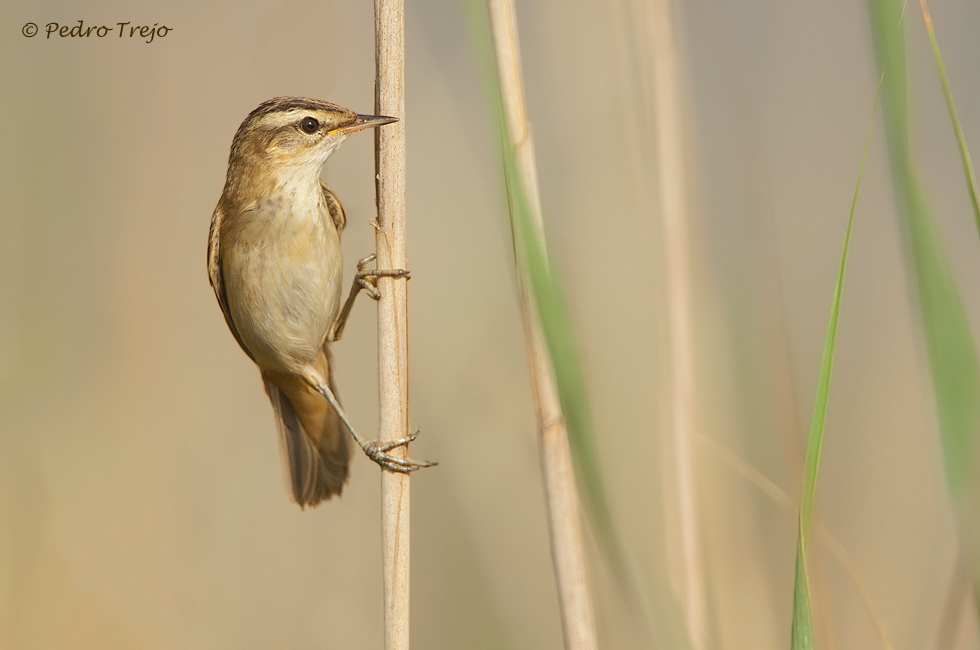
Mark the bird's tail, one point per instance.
(315, 442)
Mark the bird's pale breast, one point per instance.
(282, 272)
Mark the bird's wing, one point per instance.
(333, 205)
(214, 272)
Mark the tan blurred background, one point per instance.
(142, 502)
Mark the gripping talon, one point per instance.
(376, 449)
(361, 264)
(368, 285)
(391, 444)
(364, 280)
(367, 279)
(402, 465)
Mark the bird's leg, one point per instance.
(366, 279)
(375, 449)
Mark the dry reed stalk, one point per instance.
(392, 313)
(578, 627)
(668, 129)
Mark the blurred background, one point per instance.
(142, 498)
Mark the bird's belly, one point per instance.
(283, 298)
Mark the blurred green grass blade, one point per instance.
(552, 309)
(658, 614)
(971, 179)
(801, 637)
(555, 322)
(964, 447)
(952, 351)
(802, 631)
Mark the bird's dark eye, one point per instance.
(309, 125)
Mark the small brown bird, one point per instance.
(275, 264)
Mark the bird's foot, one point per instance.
(377, 451)
(367, 279)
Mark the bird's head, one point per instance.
(293, 137)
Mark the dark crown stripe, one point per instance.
(283, 104)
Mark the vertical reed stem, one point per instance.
(392, 312)
(558, 475)
(668, 123)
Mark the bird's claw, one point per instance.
(376, 451)
(367, 279)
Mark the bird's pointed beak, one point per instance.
(365, 122)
